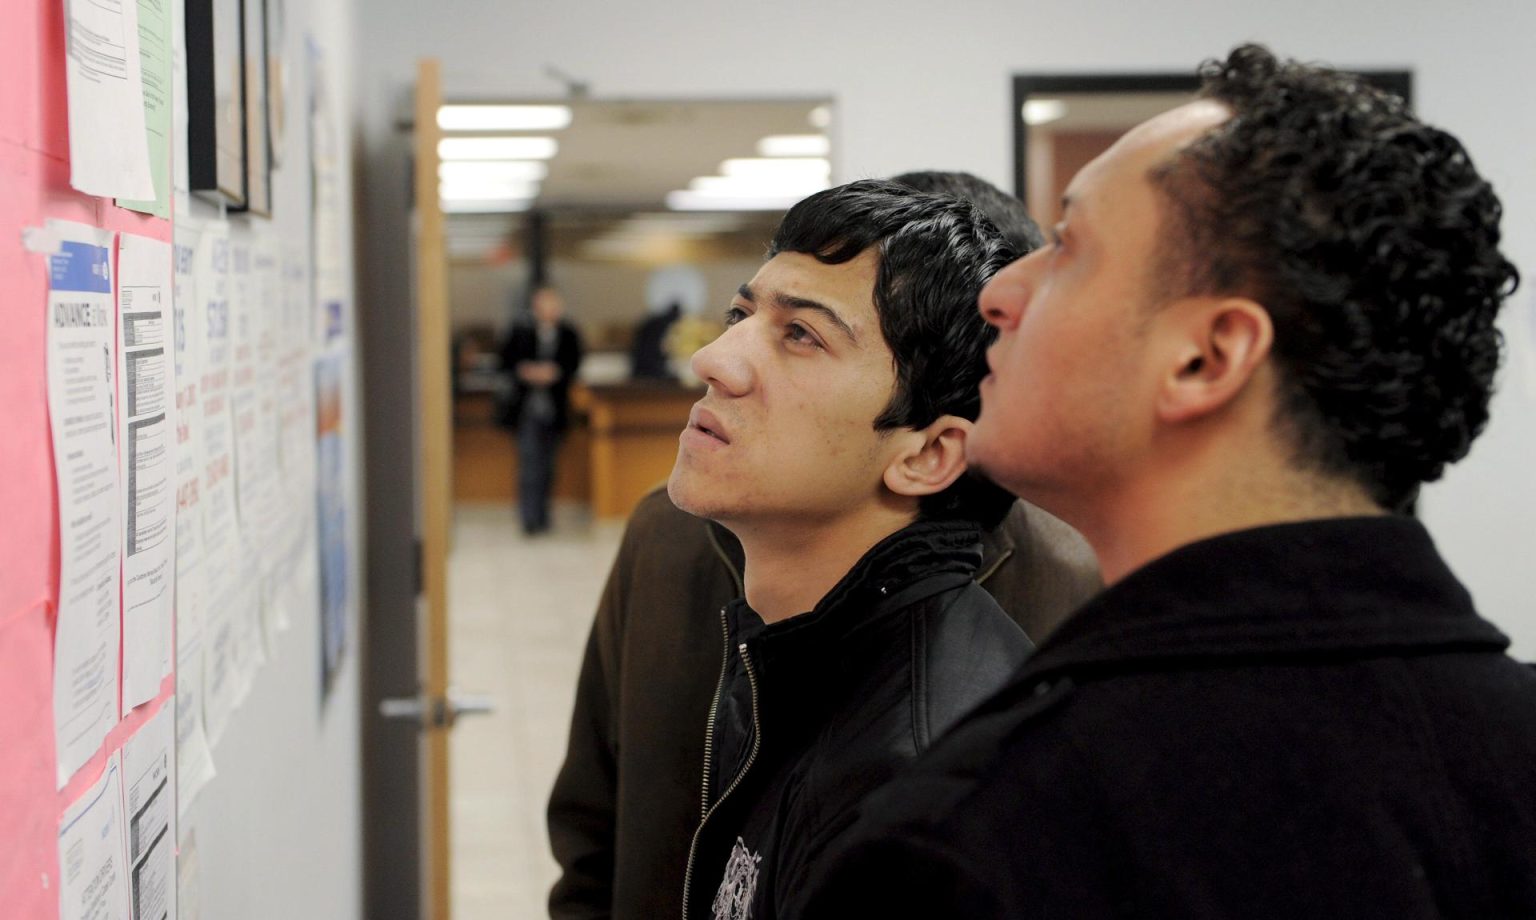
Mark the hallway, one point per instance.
(520, 612)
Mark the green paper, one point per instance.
(155, 61)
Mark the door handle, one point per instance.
(441, 712)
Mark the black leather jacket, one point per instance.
(815, 712)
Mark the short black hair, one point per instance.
(934, 254)
(1006, 211)
(1372, 242)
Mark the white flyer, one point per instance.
(297, 571)
(146, 416)
(150, 815)
(108, 148)
(252, 309)
(181, 180)
(188, 903)
(93, 853)
(81, 368)
(194, 761)
(251, 651)
(232, 640)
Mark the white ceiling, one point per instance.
(629, 154)
(622, 157)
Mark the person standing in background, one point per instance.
(541, 359)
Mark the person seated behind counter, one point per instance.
(627, 799)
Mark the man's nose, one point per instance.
(1005, 297)
(723, 363)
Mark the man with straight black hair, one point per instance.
(627, 798)
(831, 443)
(1006, 211)
(1265, 318)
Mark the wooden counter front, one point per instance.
(634, 428)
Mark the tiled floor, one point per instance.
(520, 612)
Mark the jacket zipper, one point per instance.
(757, 743)
(714, 708)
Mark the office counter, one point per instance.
(633, 428)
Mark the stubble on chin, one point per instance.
(683, 489)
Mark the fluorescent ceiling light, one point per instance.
(792, 184)
(689, 224)
(753, 167)
(794, 145)
(492, 170)
(469, 191)
(821, 116)
(497, 148)
(1044, 111)
(693, 201)
(503, 117)
(486, 206)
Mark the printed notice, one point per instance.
(92, 855)
(331, 509)
(252, 309)
(155, 68)
(181, 180)
(232, 640)
(81, 367)
(108, 151)
(194, 762)
(150, 814)
(187, 899)
(297, 570)
(147, 419)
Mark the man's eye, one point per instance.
(800, 335)
(734, 315)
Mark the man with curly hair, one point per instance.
(1266, 317)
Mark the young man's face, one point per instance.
(786, 431)
(1066, 409)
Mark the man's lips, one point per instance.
(704, 421)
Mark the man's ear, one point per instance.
(1219, 344)
(929, 459)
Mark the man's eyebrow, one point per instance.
(790, 302)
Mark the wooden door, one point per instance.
(435, 404)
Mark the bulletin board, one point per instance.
(36, 187)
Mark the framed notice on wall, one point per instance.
(216, 120)
(277, 78)
(258, 142)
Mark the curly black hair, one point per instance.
(1373, 243)
(935, 253)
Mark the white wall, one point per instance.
(925, 85)
(278, 830)
(598, 295)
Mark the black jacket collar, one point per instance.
(919, 560)
(997, 545)
(1346, 587)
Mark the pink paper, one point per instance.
(34, 186)
(29, 872)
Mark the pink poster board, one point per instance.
(34, 186)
